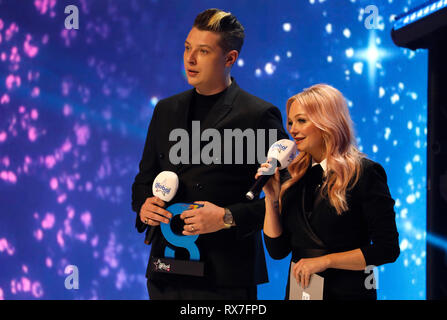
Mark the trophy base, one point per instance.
(175, 266)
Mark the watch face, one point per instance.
(228, 217)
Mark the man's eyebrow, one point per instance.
(200, 45)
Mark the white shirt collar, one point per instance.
(322, 164)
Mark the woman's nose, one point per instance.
(294, 129)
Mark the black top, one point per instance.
(201, 105)
(369, 224)
(199, 110)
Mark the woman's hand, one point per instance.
(272, 187)
(304, 268)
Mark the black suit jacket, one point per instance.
(369, 224)
(235, 256)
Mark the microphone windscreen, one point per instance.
(165, 185)
(284, 151)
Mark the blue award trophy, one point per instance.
(169, 264)
(165, 186)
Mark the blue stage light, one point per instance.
(419, 13)
(437, 241)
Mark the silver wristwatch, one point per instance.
(228, 219)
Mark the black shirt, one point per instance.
(201, 105)
(198, 111)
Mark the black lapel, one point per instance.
(182, 113)
(318, 200)
(302, 215)
(222, 107)
(180, 116)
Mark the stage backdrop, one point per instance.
(75, 106)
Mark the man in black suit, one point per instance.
(229, 225)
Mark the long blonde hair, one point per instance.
(326, 108)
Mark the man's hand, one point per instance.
(152, 212)
(206, 219)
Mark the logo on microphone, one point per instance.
(279, 147)
(161, 188)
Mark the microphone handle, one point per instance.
(256, 189)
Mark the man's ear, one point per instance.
(231, 58)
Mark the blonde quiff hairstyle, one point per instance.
(231, 31)
(326, 108)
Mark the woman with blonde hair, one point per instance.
(335, 214)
